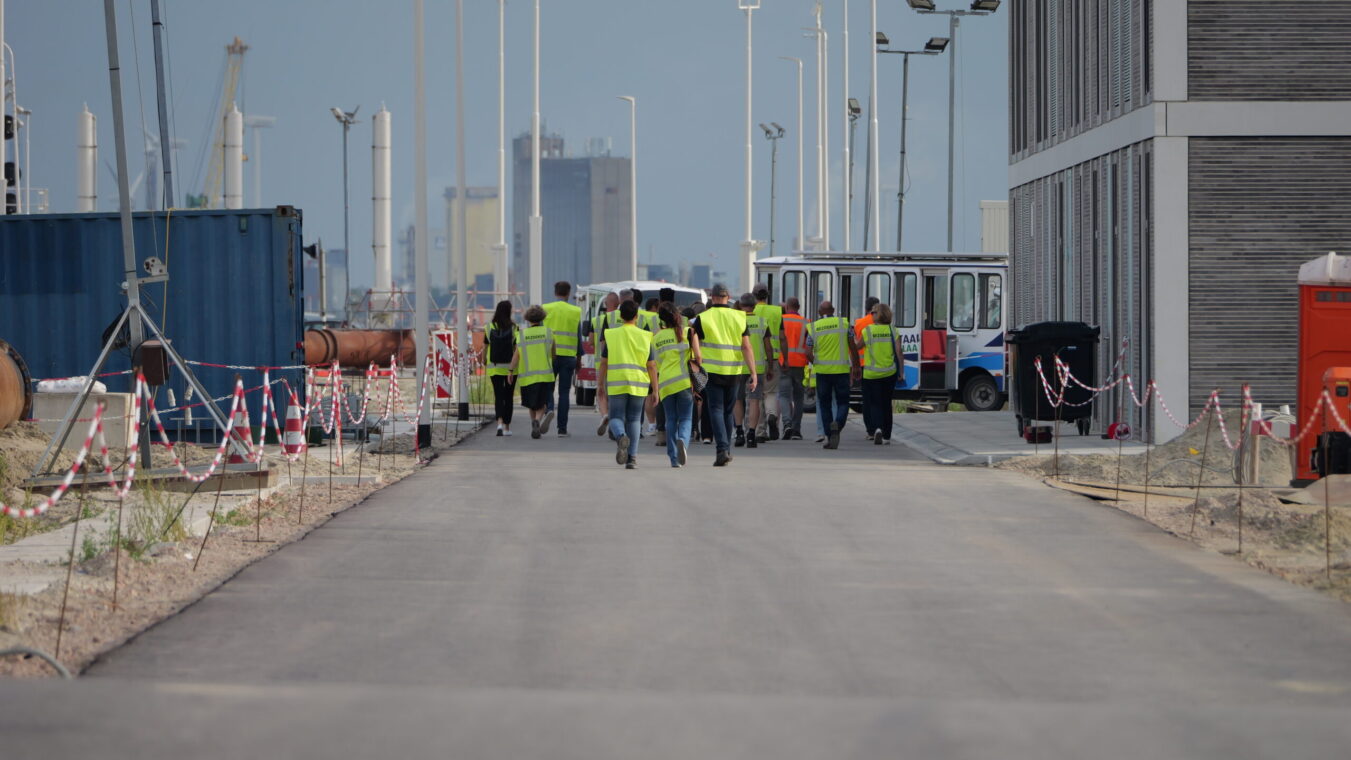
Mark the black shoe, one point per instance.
(740, 438)
(773, 427)
(682, 456)
(833, 440)
(751, 443)
(722, 459)
(632, 464)
(877, 437)
(534, 429)
(622, 450)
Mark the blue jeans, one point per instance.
(832, 399)
(721, 399)
(564, 368)
(679, 408)
(626, 418)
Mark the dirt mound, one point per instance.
(1175, 463)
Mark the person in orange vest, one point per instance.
(793, 360)
(861, 324)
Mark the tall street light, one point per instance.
(633, 185)
(750, 245)
(501, 259)
(801, 241)
(978, 8)
(874, 168)
(822, 131)
(536, 289)
(934, 46)
(847, 187)
(773, 136)
(346, 119)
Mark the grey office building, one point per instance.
(1172, 163)
(585, 203)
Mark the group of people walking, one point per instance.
(733, 373)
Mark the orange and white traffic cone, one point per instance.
(293, 438)
(242, 435)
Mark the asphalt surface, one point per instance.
(524, 598)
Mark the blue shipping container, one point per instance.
(234, 294)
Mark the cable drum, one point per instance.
(16, 387)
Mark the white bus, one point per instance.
(949, 309)
(591, 298)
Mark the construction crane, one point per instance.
(213, 192)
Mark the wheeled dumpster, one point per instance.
(1076, 344)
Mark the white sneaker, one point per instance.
(544, 424)
(507, 433)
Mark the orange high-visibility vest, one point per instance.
(795, 332)
(863, 323)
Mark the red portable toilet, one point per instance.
(1324, 343)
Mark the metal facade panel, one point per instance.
(234, 294)
(1260, 207)
(1268, 51)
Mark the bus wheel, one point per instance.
(980, 394)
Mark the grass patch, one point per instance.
(153, 521)
(234, 517)
(10, 606)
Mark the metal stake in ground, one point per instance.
(210, 523)
(117, 550)
(1201, 474)
(1327, 495)
(70, 564)
(1243, 441)
(1148, 448)
(304, 473)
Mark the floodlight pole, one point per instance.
(633, 184)
(801, 241)
(749, 246)
(133, 283)
(905, 117)
(165, 142)
(536, 288)
(954, 21)
(874, 168)
(502, 262)
(848, 185)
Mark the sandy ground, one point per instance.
(162, 579)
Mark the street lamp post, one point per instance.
(633, 185)
(822, 131)
(536, 289)
(801, 242)
(346, 119)
(749, 245)
(773, 136)
(934, 46)
(978, 8)
(501, 260)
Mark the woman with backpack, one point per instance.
(499, 346)
(673, 381)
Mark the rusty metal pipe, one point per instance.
(358, 348)
(16, 387)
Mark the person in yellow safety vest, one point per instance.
(564, 321)
(860, 325)
(751, 403)
(499, 348)
(674, 354)
(629, 370)
(882, 360)
(647, 320)
(607, 318)
(534, 364)
(793, 369)
(721, 338)
(834, 356)
(773, 316)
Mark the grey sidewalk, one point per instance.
(982, 438)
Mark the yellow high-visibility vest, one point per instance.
(627, 349)
(535, 366)
(563, 319)
(773, 316)
(830, 345)
(879, 351)
(755, 325)
(721, 344)
(673, 363)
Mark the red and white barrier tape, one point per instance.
(95, 427)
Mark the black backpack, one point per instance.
(501, 346)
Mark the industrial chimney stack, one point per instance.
(380, 199)
(86, 162)
(234, 158)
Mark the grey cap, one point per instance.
(719, 289)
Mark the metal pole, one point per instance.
(905, 117)
(633, 185)
(124, 192)
(773, 189)
(165, 142)
(502, 267)
(346, 241)
(420, 328)
(952, 110)
(801, 241)
(748, 253)
(867, 184)
(461, 297)
(536, 289)
(874, 165)
(848, 185)
(825, 138)
(4, 144)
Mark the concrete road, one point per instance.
(528, 598)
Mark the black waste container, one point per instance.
(1076, 343)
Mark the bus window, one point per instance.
(906, 300)
(935, 302)
(879, 286)
(992, 301)
(850, 305)
(963, 301)
(822, 285)
(792, 286)
(769, 283)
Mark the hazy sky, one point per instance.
(685, 62)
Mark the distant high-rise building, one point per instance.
(481, 224)
(585, 203)
(701, 276)
(437, 270)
